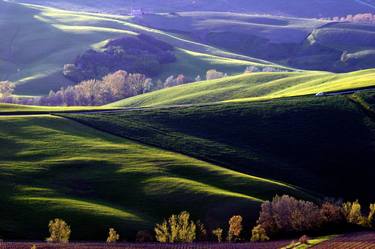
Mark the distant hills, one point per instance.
(300, 8)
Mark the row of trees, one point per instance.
(282, 216)
(287, 215)
(357, 18)
(110, 88)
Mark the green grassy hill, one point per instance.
(319, 143)
(52, 167)
(41, 40)
(253, 86)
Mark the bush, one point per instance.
(59, 231)
(218, 232)
(235, 228)
(143, 236)
(259, 234)
(113, 237)
(178, 228)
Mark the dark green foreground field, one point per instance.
(53, 167)
(131, 168)
(324, 144)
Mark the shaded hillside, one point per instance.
(320, 143)
(95, 181)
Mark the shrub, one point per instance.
(178, 228)
(59, 231)
(235, 228)
(113, 237)
(218, 232)
(143, 236)
(259, 234)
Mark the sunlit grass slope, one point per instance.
(41, 40)
(27, 109)
(52, 167)
(319, 143)
(254, 86)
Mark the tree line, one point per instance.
(282, 217)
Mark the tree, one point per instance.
(113, 237)
(331, 213)
(111, 87)
(259, 234)
(352, 212)
(59, 231)
(252, 69)
(178, 228)
(286, 214)
(213, 74)
(6, 91)
(371, 214)
(218, 232)
(201, 231)
(235, 228)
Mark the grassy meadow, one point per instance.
(253, 87)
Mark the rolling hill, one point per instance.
(295, 42)
(95, 180)
(301, 8)
(41, 40)
(252, 87)
(322, 144)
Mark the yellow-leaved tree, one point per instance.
(59, 231)
(178, 228)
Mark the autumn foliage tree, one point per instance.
(59, 231)
(235, 228)
(218, 233)
(258, 233)
(112, 87)
(286, 214)
(178, 228)
(113, 236)
(6, 91)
